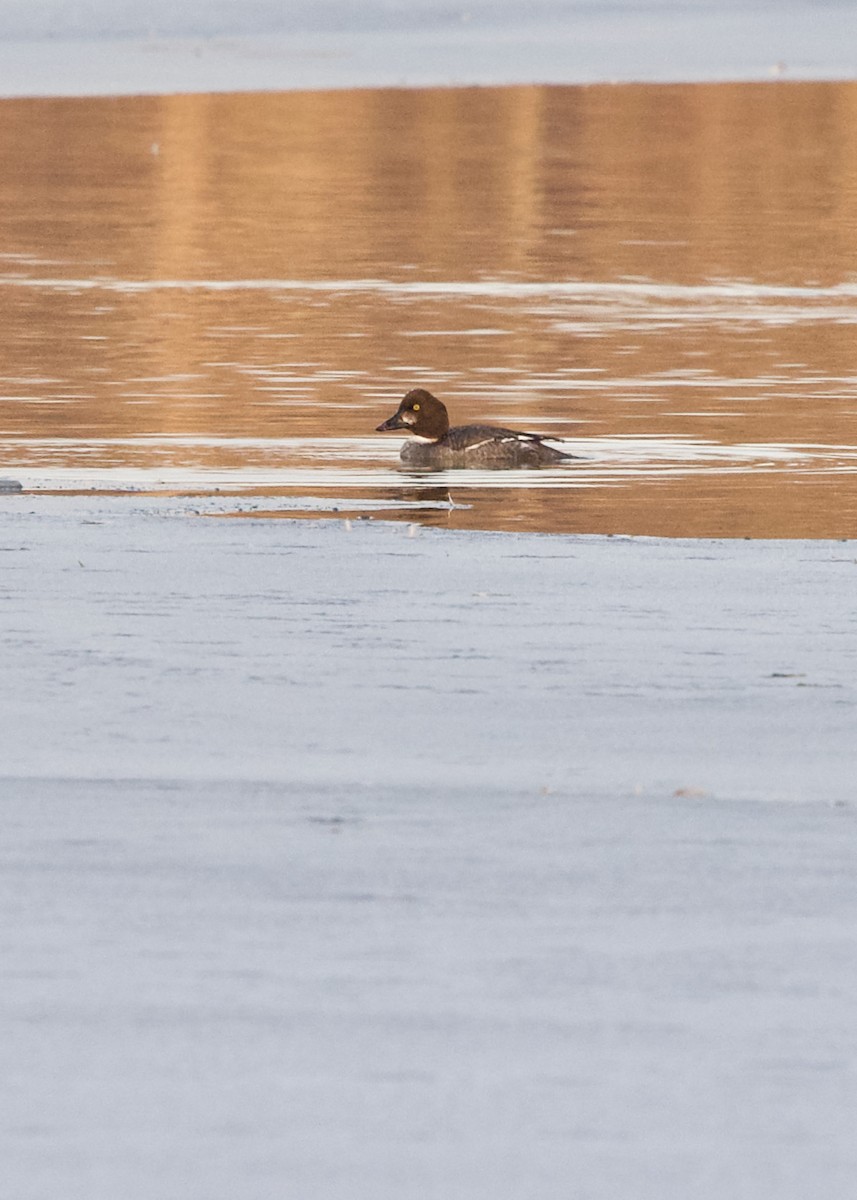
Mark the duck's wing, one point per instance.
(468, 437)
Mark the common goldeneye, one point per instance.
(434, 446)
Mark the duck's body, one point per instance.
(433, 446)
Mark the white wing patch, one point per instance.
(495, 440)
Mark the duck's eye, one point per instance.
(416, 408)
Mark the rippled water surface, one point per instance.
(226, 294)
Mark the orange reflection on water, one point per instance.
(640, 262)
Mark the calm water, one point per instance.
(230, 292)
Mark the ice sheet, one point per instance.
(340, 862)
(191, 646)
(57, 48)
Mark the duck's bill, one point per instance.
(394, 422)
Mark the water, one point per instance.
(226, 294)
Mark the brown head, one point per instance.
(421, 415)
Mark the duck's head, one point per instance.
(421, 415)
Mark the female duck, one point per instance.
(433, 446)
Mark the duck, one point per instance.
(432, 445)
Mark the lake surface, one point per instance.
(227, 293)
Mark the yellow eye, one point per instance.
(416, 408)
